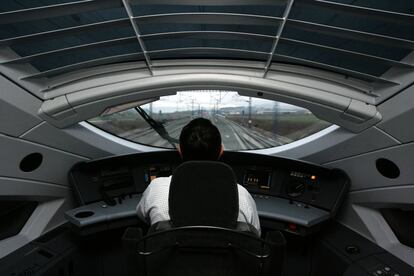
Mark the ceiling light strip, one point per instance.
(205, 34)
(340, 70)
(68, 50)
(348, 52)
(352, 34)
(85, 64)
(277, 37)
(49, 11)
(200, 49)
(209, 18)
(64, 32)
(212, 2)
(382, 15)
(137, 33)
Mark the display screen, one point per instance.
(155, 171)
(257, 179)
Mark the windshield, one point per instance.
(245, 123)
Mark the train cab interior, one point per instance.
(314, 101)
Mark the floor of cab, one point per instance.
(62, 252)
(107, 256)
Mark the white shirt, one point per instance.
(153, 206)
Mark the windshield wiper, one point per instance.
(157, 126)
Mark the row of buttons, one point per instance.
(260, 196)
(385, 271)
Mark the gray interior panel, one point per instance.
(364, 174)
(362, 215)
(398, 112)
(30, 190)
(368, 140)
(18, 109)
(53, 201)
(63, 141)
(53, 169)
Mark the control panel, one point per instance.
(157, 170)
(258, 179)
(298, 195)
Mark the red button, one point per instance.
(292, 226)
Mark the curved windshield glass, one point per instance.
(245, 123)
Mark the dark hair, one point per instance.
(200, 140)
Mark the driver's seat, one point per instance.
(204, 193)
(202, 237)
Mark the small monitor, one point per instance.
(259, 179)
(155, 171)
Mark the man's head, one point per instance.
(200, 140)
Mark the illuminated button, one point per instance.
(292, 226)
(313, 177)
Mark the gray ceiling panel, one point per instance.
(363, 39)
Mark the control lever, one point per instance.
(108, 200)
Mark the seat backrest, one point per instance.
(203, 193)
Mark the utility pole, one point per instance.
(275, 117)
(192, 107)
(250, 113)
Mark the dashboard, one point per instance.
(290, 195)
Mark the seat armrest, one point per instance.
(132, 234)
(160, 226)
(247, 227)
(275, 237)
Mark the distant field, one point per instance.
(124, 122)
(119, 126)
(290, 125)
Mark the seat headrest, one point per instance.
(203, 193)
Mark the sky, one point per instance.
(207, 99)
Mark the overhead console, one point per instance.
(290, 195)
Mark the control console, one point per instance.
(290, 195)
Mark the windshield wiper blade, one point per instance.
(157, 126)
